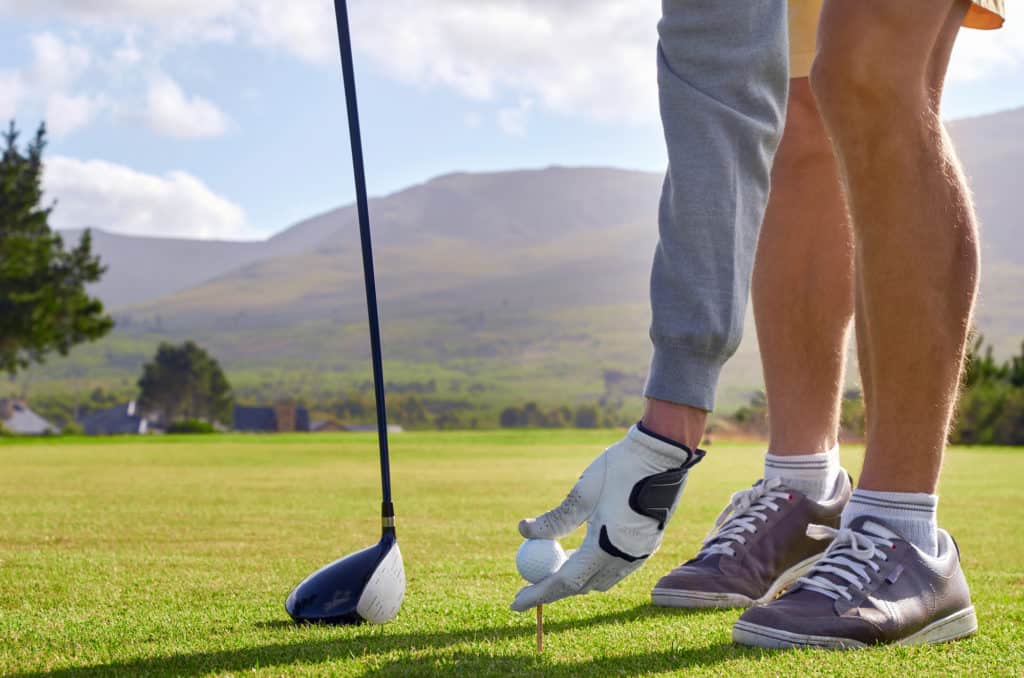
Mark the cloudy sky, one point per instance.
(225, 118)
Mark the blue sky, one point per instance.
(225, 118)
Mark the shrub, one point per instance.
(72, 429)
(191, 426)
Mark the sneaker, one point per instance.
(870, 587)
(757, 547)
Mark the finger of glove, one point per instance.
(571, 579)
(574, 509)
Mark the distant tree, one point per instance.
(1016, 369)
(410, 412)
(99, 398)
(586, 417)
(980, 365)
(1010, 429)
(532, 416)
(44, 306)
(512, 417)
(990, 410)
(560, 417)
(448, 421)
(185, 382)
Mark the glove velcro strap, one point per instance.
(655, 495)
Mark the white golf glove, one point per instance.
(626, 496)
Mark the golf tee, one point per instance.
(540, 628)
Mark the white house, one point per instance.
(17, 418)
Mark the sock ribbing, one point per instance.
(814, 475)
(910, 514)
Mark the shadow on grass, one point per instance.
(376, 640)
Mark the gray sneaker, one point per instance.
(870, 587)
(757, 547)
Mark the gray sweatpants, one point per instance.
(723, 82)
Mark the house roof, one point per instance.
(249, 418)
(23, 421)
(258, 418)
(113, 420)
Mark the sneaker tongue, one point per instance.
(874, 527)
(879, 530)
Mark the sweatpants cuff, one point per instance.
(683, 377)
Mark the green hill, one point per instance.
(520, 285)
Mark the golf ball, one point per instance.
(539, 558)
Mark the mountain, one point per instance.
(141, 269)
(532, 282)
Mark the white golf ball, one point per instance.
(537, 559)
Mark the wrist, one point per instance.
(681, 424)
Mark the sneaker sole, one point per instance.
(665, 597)
(957, 625)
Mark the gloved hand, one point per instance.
(626, 496)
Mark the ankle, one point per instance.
(799, 443)
(815, 475)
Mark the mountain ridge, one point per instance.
(537, 275)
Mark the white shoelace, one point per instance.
(848, 558)
(741, 515)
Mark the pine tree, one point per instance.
(44, 306)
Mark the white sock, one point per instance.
(911, 514)
(814, 475)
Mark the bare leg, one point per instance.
(803, 285)
(878, 79)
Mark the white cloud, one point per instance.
(512, 121)
(123, 12)
(71, 86)
(66, 113)
(305, 28)
(596, 62)
(117, 198)
(593, 59)
(12, 92)
(980, 54)
(46, 84)
(127, 55)
(171, 113)
(56, 63)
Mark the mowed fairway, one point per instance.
(173, 556)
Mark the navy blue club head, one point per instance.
(366, 586)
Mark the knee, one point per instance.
(855, 84)
(805, 142)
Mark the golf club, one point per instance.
(366, 586)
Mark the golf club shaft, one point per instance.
(363, 209)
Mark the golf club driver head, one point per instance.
(366, 586)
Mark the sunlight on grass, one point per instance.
(172, 556)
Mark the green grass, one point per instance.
(172, 556)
